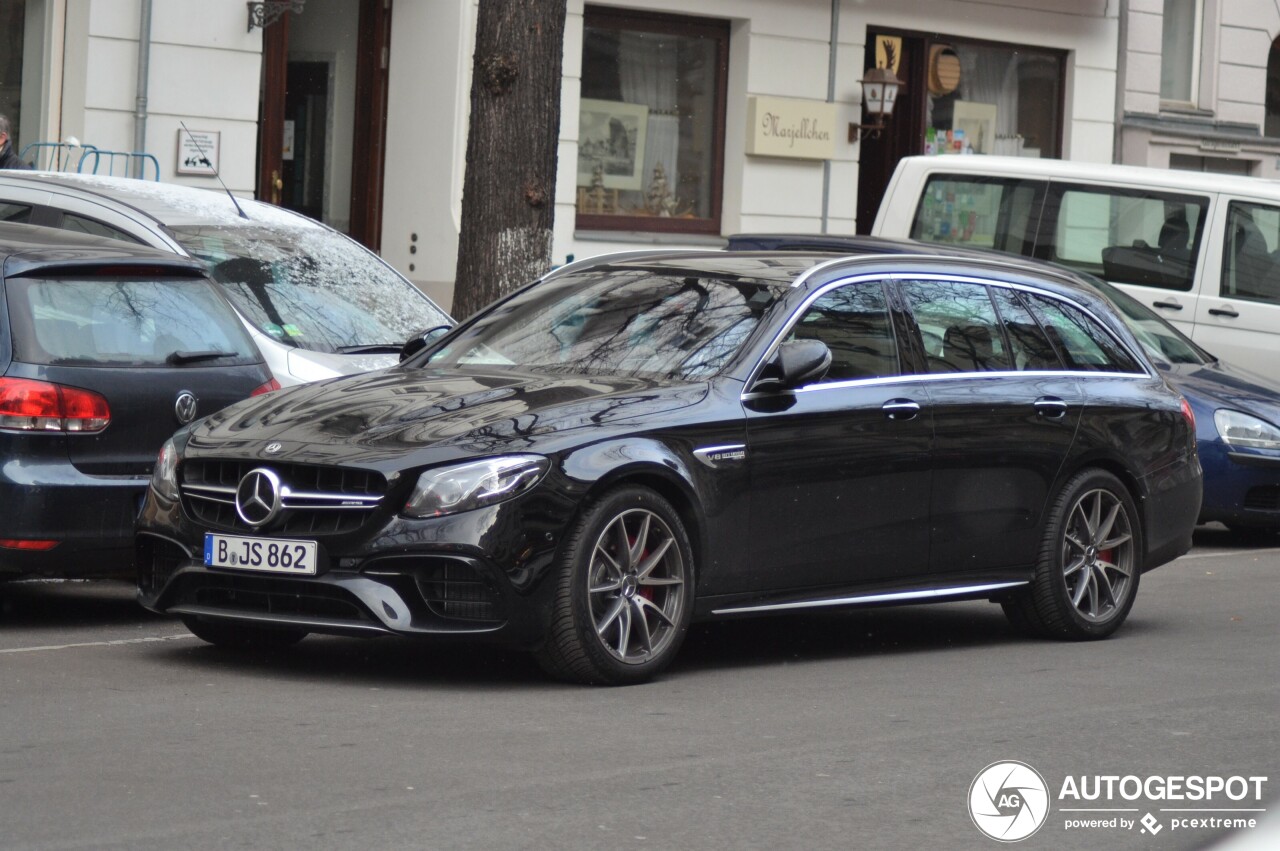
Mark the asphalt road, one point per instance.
(856, 730)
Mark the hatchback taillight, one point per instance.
(27, 405)
(27, 544)
(266, 388)
(1189, 415)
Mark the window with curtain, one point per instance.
(994, 99)
(651, 122)
(1180, 50)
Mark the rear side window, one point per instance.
(979, 212)
(1029, 346)
(122, 322)
(1082, 343)
(93, 227)
(958, 325)
(1126, 236)
(854, 322)
(16, 213)
(1251, 256)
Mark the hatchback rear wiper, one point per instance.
(192, 357)
(372, 349)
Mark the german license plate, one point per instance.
(270, 555)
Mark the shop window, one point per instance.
(994, 99)
(1180, 50)
(651, 126)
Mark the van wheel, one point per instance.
(625, 592)
(236, 635)
(1087, 575)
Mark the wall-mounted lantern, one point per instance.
(880, 88)
(264, 13)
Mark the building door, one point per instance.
(320, 151)
(904, 133)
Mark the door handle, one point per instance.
(1051, 408)
(1223, 311)
(1167, 305)
(901, 409)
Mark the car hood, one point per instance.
(408, 417)
(1221, 385)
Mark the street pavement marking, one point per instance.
(96, 643)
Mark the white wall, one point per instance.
(428, 103)
(204, 70)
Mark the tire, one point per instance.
(1089, 564)
(237, 635)
(624, 591)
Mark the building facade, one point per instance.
(680, 124)
(1200, 86)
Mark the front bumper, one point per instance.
(1241, 487)
(441, 577)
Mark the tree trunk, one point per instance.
(508, 194)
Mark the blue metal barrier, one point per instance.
(88, 159)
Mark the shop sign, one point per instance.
(791, 127)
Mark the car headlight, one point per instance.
(462, 487)
(1240, 429)
(164, 478)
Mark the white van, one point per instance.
(1203, 250)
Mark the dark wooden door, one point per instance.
(904, 135)
(369, 143)
(275, 63)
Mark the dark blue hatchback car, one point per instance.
(106, 349)
(1237, 411)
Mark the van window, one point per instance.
(1249, 262)
(1125, 236)
(979, 212)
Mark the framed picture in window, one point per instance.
(611, 142)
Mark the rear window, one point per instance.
(124, 322)
(979, 212)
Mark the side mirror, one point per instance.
(795, 364)
(421, 340)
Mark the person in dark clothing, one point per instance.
(8, 157)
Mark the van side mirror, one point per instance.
(421, 340)
(795, 364)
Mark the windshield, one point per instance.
(1158, 337)
(117, 321)
(629, 322)
(310, 287)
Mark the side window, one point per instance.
(1029, 347)
(1249, 264)
(1083, 344)
(854, 323)
(958, 326)
(83, 224)
(981, 212)
(1126, 236)
(16, 213)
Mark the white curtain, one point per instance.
(648, 72)
(990, 75)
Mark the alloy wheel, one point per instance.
(1098, 555)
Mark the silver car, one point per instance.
(317, 303)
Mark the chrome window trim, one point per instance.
(614, 256)
(794, 318)
(863, 599)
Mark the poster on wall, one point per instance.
(611, 140)
(198, 151)
(978, 121)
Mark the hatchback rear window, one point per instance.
(124, 322)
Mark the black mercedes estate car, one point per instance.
(105, 349)
(648, 438)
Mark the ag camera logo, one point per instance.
(1008, 801)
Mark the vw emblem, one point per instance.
(273, 448)
(258, 497)
(184, 407)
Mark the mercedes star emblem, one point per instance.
(184, 407)
(258, 497)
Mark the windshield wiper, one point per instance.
(372, 349)
(192, 357)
